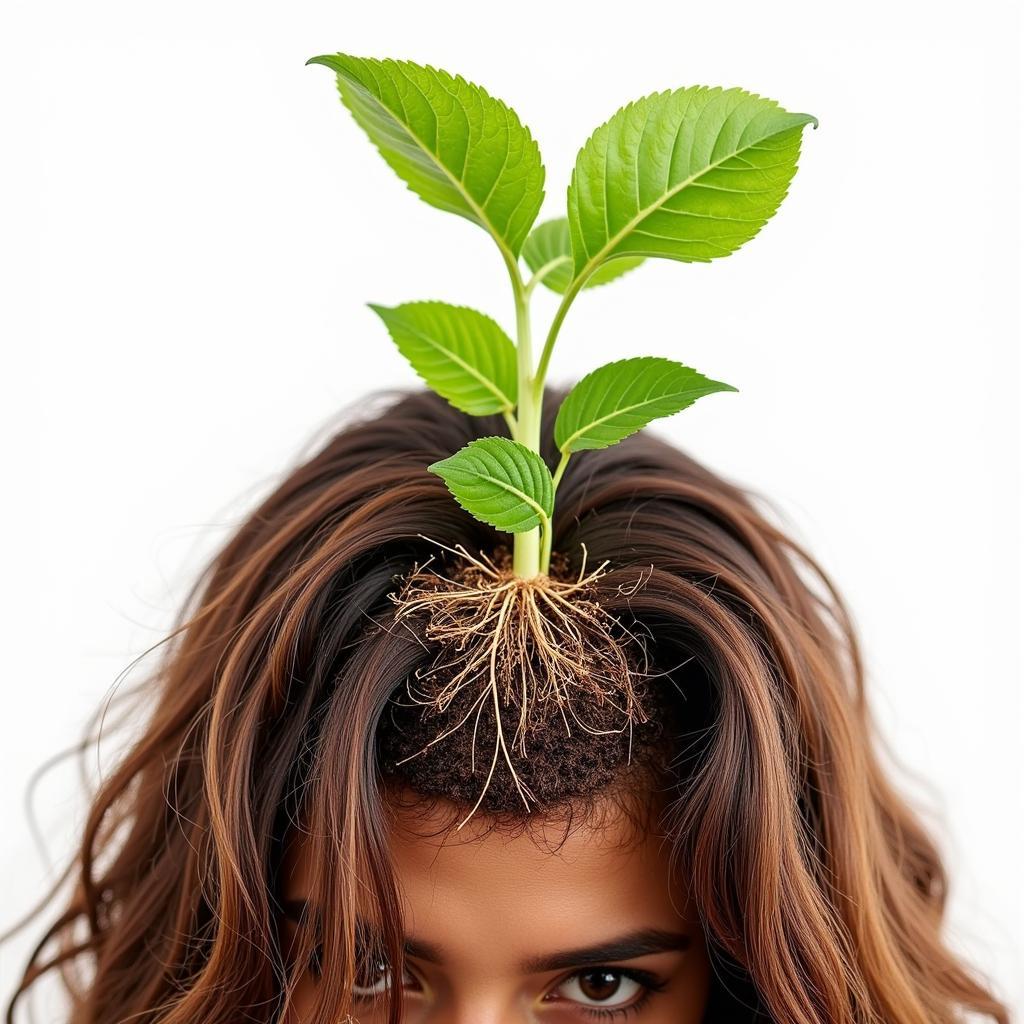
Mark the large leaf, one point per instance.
(548, 245)
(620, 398)
(500, 482)
(689, 175)
(459, 352)
(454, 145)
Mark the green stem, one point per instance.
(531, 552)
(513, 427)
(559, 470)
(556, 324)
(543, 272)
(545, 545)
(526, 551)
(545, 553)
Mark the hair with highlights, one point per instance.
(819, 890)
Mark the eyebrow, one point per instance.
(297, 910)
(642, 942)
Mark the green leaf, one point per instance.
(454, 145)
(688, 175)
(549, 242)
(501, 482)
(620, 398)
(459, 352)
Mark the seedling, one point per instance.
(687, 174)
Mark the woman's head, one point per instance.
(281, 769)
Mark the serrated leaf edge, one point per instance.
(600, 257)
(509, 401)
(480, 213)
(543, 516)
(565, 448)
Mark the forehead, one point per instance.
(483, 893)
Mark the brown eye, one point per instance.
(374, 979)
(600, 986)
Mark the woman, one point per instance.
(289, 840)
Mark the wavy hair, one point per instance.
(820, 892)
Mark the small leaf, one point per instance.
(501, 482)
(454, 145)
(620, 398)
(688, 175)
(549, 242)
(459, 352)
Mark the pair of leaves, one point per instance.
(689, 174)
(508, 485)
(467, 359)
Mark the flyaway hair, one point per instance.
(821, 893)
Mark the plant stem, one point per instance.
(545, 553)
(526, 556)
(556, 324)
(559, 470)
(543, 272)
(531, 550)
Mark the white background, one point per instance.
(194, 224)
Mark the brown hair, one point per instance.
(821, 894)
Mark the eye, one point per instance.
(374, 979)
(601, 986)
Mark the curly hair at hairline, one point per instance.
(278, 699)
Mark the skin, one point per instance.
(485, 909)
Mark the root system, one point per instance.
(539, 646)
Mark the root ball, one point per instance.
(520, 664)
